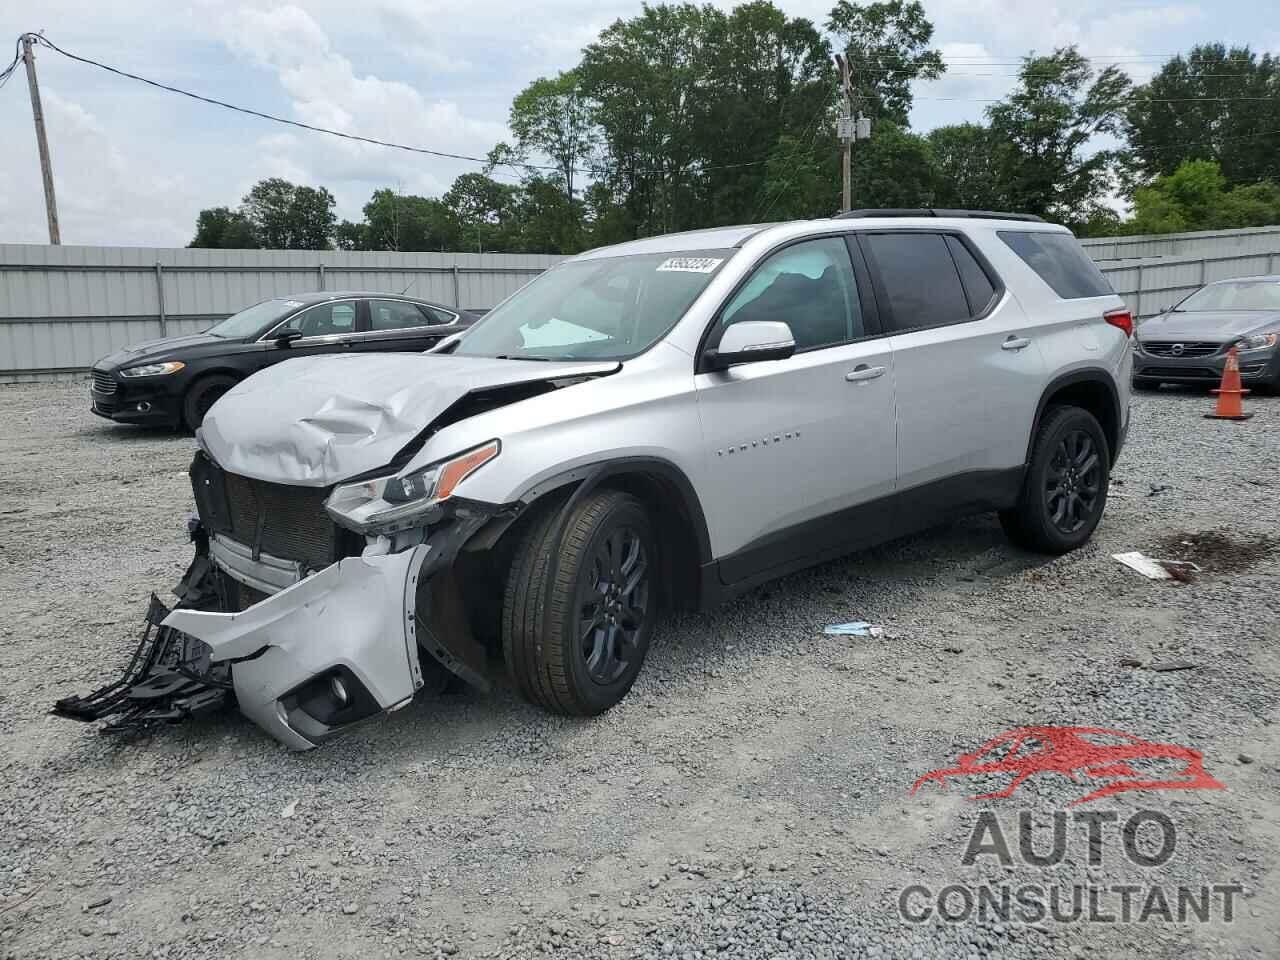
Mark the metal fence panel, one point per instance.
(61, 308)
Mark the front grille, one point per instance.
(1180, 348)
(274, 518)
(1181, 373)
(103, 383)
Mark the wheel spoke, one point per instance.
(1084, 449)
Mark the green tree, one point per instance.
(1044, 129)
(691, 104)
(289, 217)
(553, 118)
(485, 212)
(771, 90)
(1197, 196)
(649, 77)
(895, 168)
(396, 221)
(221, 227)
(968, 174)
(1216, 103)
(887, 46)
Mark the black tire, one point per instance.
(201, 396)
(547, 654)
(1145, 383)
(1065, 490)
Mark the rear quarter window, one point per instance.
(1060, 261)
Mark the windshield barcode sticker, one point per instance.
(691, 264)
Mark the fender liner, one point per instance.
(1099, 375)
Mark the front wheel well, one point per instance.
(1091, 392)
(672, 506)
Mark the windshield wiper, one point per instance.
(509, 356)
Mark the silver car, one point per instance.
(1189, 343)
(664, 423)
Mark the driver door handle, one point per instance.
(863, 372)
(1015, 343)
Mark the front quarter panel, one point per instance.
(647, 409)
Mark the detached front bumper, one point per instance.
(336, 647)
(329, 651)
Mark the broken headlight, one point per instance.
(387, 504)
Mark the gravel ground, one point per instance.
(749, 799)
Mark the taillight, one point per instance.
(1122, 319)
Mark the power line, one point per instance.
(514, 164)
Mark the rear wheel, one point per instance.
(574, 644)
(1065, 489)
(202, 395)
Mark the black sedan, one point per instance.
(175, 381)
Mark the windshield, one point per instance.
(255, 320)
(607, 309)
(1243, 295)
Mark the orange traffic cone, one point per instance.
(1229, 393)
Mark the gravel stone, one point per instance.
(751, 798)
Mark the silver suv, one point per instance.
(663, 423)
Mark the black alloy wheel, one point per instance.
(580, 603)
(1073, 482)
(613, 599)
(1064, 487)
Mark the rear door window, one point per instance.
(918, 277)
(1060, 261)
(977, 285)
(397, 315)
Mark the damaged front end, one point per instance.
(307, 624)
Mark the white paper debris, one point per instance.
(1147, 566)
(859, 628)
(290, 809)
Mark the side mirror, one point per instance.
(286, 337)
(750, 342)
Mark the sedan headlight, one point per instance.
(387, 504)
(1263, 341)
(153, 369)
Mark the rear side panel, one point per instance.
(1071, 333)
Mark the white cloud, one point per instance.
(134, 165)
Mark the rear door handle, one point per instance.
(1015, 343)
(863, 372)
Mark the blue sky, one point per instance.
(134, 165)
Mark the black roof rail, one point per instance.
(935, 212)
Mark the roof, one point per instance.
(715, 238)
(320, 296)
(723, 238)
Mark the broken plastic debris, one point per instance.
(1155, 569)
(858, 628)
(290, 809)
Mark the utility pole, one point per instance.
(42, 142)
(846, 198)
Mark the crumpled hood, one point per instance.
(313, 421)
(1222, 325)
